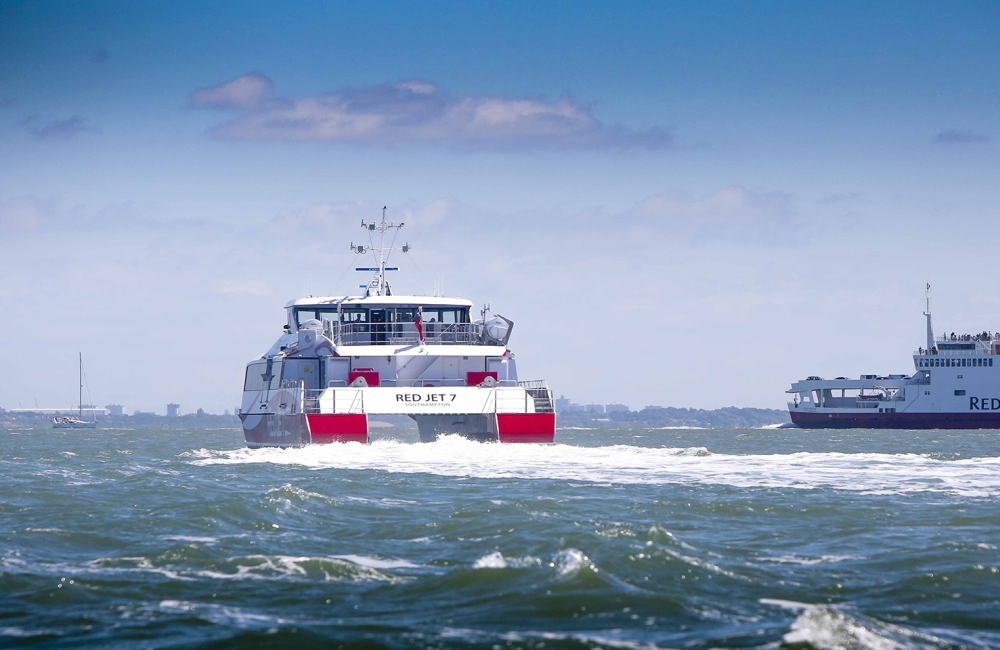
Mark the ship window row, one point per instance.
(955, 363)
(387, 315)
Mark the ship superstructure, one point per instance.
(342, 359)
(955, 384)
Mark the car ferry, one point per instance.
(955, 384)
(341, 359)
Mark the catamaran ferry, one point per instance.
(342, 359)
(955, 385)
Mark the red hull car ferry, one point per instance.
(955, 385)
(342, 359)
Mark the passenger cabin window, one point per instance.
(349, 315)
(446, 314)
(405, 314)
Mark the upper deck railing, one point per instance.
(406, 334)
(963, 345)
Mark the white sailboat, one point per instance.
(70, 422)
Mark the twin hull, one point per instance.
(291, 417)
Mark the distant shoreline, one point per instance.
(728, 417)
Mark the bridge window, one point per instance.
(255, 376)
(256, 373)
(959, 393)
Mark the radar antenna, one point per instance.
(379, 285)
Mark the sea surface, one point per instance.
(628, 538)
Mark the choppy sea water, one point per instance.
(678, 538)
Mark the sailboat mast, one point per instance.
(81, 385)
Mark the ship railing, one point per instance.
(345, 400)
(406, 334)
(390, 382)
(429, 383)
(969, 338)
(537, 396)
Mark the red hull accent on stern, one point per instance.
(338, 427)
(526, 427)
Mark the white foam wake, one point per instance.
(626, 464)
(826, 627)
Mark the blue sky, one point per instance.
(752, 187)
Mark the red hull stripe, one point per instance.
(338, 427)
(526, 427)
(896, 420)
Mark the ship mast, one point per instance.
(80, 402)
(927, 313)
(379, 285)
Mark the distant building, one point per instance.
(137, 413)
(115, 410)
(227, 411)
(654, 408)
(173, 410)
(597, 409)
(616, 408)
(562, 403)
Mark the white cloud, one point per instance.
(22, 214)
(960, 136)
(60, 129)
(247, 288)
(414, 111)
(733, 204)
(243, 93)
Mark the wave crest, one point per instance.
(872, 473)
